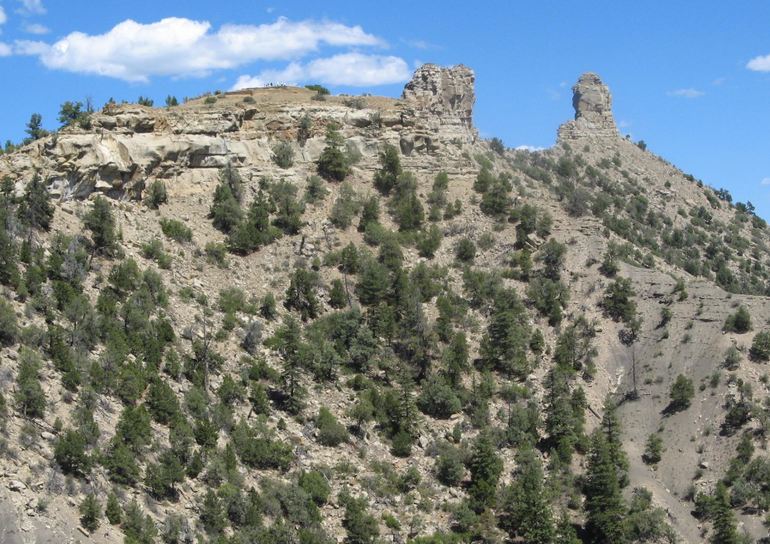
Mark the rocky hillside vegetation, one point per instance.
(278, 315)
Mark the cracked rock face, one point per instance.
(126, 146)
(593, 111)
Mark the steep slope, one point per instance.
(545, 228)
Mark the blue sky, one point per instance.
(688, 77)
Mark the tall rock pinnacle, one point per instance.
(593, 111)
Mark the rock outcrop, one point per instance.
(443, 99)
(127, 146)
(593, 111)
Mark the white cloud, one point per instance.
(32, 7)
(352, 69)
(530, 148)
(686, 93)
(759, 64)
(5, 50)
(765, 181)
(3, 16)
(181, 47)
(36, 28)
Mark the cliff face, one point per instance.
(128, 146)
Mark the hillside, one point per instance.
(277, 315)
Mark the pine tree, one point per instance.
(35, 128)
(332, 164)
(113, 511)
(337, 297)
(610, 426)
(605, 508)
(225, 209)
(386, 178)
(30, 397)
(35, 208)
(101, 222)
(255, 230)
(504, 346)
(293, 352)
(300, 296)
(527, 512)
(725, 526)
(485, 467)
(90, 512)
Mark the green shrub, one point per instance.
(314, 483)
(154, 250)
(216, 253)
(386, 178)
(318, 89)
(101, 222)
(449, 466)
(70, 453)
(332, 165)
(9, 330)
(315, 190)
(156, 194)
(682, 393)
(113, 511)
(90, 512)
(438, 399)
(283, 155)
(739, 322)
(618, 302)
(345, 207)
(653, 449)
(760, 347)
(401, 444)
(330, 431)
(465, 250)
(176, 230)
(30, 398)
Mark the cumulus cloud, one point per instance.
(5, 50)
(686, 93)
(32, 7)
(759, 64)
(530, 148)
(36, 28)
(181, 47)
(3, 16)
(352, 69)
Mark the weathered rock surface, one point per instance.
(127, 146)
(593, 111)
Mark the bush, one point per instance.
(428, 241)
(100, 221)
(30, 398)
(449, 466)
(682, 393)
(113, 511)
(315, 190)
(401, 445)
(345, 207)
(739, 322)
(70, 453)
(361, 527)
(314, 483)
(386, 178)
(465, 250)
(156, 194)
(438, 399)
(176, 230)
(9, 329)
(760, 347)
(90, 512)
(283, 155)
(617, 302)
(653, 449)
(154, 250)
(330, 431)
